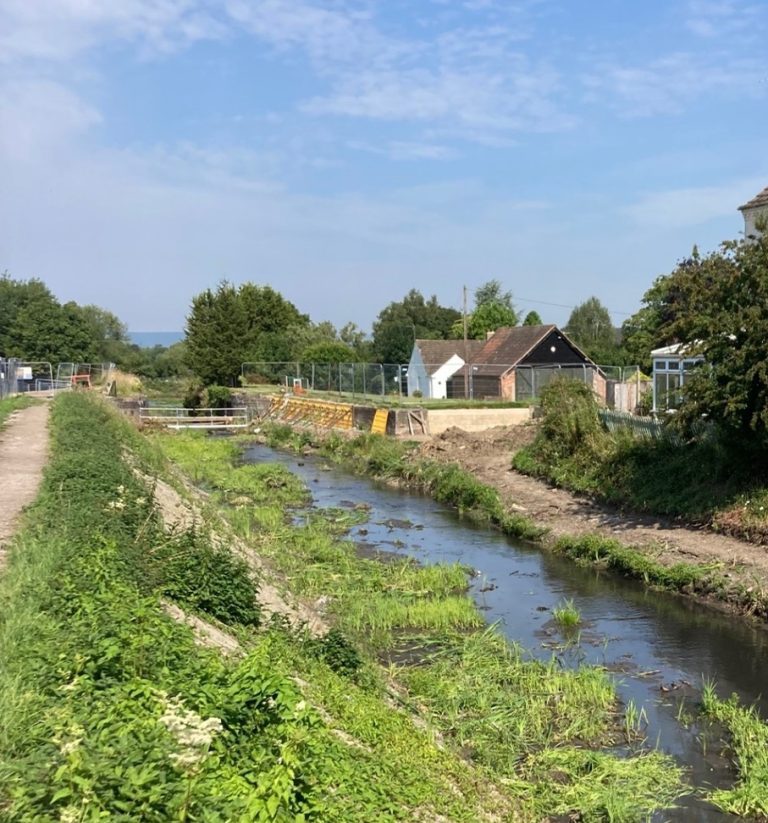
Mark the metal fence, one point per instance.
(8, 370)
(640, 426)
(617, 386)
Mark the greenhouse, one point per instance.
(671, 366)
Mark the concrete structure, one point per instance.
(756, 208)
(476, 420)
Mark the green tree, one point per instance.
(591, 328)
(718, 306)
(329, 352)
(493, 310)
(233, 325)
(532, 319)
(402, 322)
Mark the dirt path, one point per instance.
(488, 455)
(23, 454)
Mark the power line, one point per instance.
(564, 306)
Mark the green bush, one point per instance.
(206, 578)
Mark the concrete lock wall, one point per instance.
(475, 420)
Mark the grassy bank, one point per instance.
(705, 480)
(541, 735)
(109, 709)
(8, 405)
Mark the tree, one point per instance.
(400, 323)
(718, 307)
(532, 319)
(493, 310)
(591, 328)
(329, 352)
(232, 325)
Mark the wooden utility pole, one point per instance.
(466, 350)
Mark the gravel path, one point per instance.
(23, 454)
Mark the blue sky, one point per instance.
(346, 151)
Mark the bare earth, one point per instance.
(487, 455)
(23, 454)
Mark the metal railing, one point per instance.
(8, 376)
(173, 417)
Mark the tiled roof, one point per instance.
(757, 201)
(509, 345)
(436, 352)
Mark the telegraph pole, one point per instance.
(466, 350)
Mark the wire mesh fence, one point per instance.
(8, 370)
(615, 386)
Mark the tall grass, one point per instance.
(749, 746)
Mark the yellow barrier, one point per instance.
(315, 412)
(379, 425)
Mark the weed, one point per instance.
(567, 615)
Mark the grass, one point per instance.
(110, 710)
(533, 729)
(566, 615)
(748, 745)
(8, 405)
(705, 480)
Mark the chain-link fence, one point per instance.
(618, 387)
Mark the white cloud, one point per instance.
(724, 19)
(61, 29)
(693, 206)
(39, 117)
(668, 84)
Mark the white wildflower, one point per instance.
(193, 734)
(141, 501)
(70, 814)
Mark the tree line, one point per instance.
(716, 304)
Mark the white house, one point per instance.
(755, 208)
(434, 362)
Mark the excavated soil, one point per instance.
(488, 455)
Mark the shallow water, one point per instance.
(661, 646)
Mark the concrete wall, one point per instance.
(475, 420)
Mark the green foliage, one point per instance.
(566, 615)
(329, 352)
(607, 552)
(108, 709)
(337, 652)
(400, 323)
(533, 318)
(207, 578)
(231, 325)
(217, 397)
(591, 328)
(749, 744)
(35, 326)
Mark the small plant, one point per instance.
(337, 652)
(567, 615)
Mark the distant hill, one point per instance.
(147, 339)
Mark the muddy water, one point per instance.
(661, 647)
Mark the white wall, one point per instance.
(439, 380)
(750, 217)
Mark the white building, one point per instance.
(755, 208)
(434, 362)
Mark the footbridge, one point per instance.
(205, 419)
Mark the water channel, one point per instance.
(660, 646)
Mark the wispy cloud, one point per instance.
(61, 29)
(681, 207)
(721, 19)
(666, 85)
